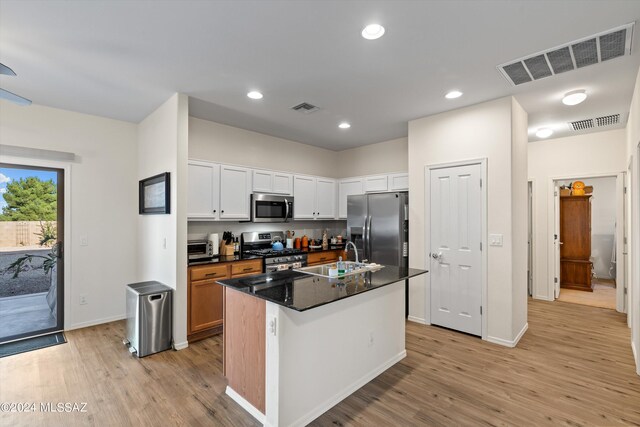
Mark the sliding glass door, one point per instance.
(31, 251)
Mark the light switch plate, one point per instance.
(495, 239)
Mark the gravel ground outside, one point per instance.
(28, 282)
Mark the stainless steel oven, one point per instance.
(271, 208)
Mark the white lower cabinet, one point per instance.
(347, 187)
(235, 192)
(315, 198)
(203, 197)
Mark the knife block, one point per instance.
(226, 250)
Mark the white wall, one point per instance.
(519, 215)
(632, 141)
(603, 222)
(103, 206)
(383, 157)
(227, 144)
(162, 142)
(601, 153)
(480, 131)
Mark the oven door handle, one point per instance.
(286, 212)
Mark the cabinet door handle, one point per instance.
(215, 210)
(247, 269)
(323, 258)
(211, 275)
(222, 211)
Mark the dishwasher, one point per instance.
(149, 318)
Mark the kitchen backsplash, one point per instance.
(313, 229)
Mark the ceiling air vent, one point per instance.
(612, 119)
(582, 124)
(570, 56)
(305, 108)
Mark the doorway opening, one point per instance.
(31, 249)
(587, 252)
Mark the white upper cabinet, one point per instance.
(203, 197)
(314, 198)
(283, 183)
(375, 183)
(235, 191)
(348, 187)
(262, 181)
(398, 181)
(272, 182)
(325, 198)
(304, 196)
(223, 192)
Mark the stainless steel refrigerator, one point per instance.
(378, 224)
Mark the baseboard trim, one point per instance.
(96, 322)
(417, 320)
(180, 345)
(348, 391)
(635, 356)
(255, 413)
(543, 298)
(509, 343)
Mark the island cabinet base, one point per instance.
(315, 358)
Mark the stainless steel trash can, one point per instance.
(149, 318)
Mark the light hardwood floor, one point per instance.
(574, 366)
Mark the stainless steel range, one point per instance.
(259, 244)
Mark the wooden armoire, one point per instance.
(575, 238)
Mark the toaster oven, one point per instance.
(199, 249)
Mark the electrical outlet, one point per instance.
(83, 299)
(164, 243)
(84, 240)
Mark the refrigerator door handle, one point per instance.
(368, 250)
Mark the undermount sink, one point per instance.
(351, 268)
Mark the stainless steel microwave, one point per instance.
(199, 249)
(271, 208)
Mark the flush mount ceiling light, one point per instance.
(344, 125)
(574, 97)
(254, 94)
(544, 133)
(453, 94)
(373, 31)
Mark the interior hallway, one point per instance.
(603, 295)
(573, 366)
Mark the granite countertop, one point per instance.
(231, 258)
(299, 291)
(222, 258)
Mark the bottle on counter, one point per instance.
(236, 246)
(340, 267)
(325, 241)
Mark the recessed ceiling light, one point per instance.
(373, 31)
(344, 125)
(544, 133)
(453, 94)
(254, 94)
(574, 97)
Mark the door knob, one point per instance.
(436, 256)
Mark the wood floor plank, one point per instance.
(573, 367)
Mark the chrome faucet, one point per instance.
(355, 250)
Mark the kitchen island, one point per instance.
(297, 344)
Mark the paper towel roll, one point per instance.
(215, 243)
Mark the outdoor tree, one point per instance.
(30, 199)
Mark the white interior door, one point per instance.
(556, 240)
(456, 236)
